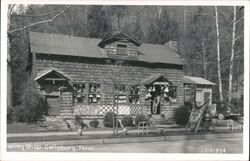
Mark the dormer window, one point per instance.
(120, 45)
(122, 49)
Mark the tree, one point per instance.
(16, 30)
(162, 30)
(232, 52)
(218, 53)
(232, 56)
(199, 44)
(119, 12)
(137, 31)
(98, 22)
(114, 78)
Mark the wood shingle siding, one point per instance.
(111, 48)
(94, 65)
(103, 74)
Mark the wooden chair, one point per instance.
(231, 124)
(142, 127)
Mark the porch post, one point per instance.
(140, 95)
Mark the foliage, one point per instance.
(127, 120)
(238, 104)
(99, 23)
(94, 123)
(19, 62)
(20, 114)
(181, 115)
(140, 118)
(162, 30)
(108, 119)
(10, 110)
(199, 40)
(79, 121)
(33, 105)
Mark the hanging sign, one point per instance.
(189, 94)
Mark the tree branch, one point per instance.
(203, 14)
(20, 34)
(237, 37)
(239, 20)
(237, 52)
(41, 22)
(39, 15)
(11, 8)
(9, 63)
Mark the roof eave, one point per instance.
(49, 71)
(101, 44)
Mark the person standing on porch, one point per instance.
(156, 104)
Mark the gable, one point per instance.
(156, 79)
(121, 36)
(51, 75)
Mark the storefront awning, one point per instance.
(156, 79)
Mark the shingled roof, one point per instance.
(197, 80)
(88, 47)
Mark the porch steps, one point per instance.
(53, 124)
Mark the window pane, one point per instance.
(121, 49)
(120, 93)
(94, 93)
(134, 95)
(120, 99)
(79, 92)
(120, 89)
(173, 93)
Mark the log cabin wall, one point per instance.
(111, 48)
(97, 71)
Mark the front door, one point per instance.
(53, 103)
(156, 100)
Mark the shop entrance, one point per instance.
(158, 91)
(156, 99)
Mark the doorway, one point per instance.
(53, 103)
(156, 99)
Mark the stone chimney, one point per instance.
(172, 45)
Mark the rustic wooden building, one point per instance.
(87, 76)
(202, 87)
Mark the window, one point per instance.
(79, 92)
(122, 49)
(94, 93)
(134, 95)
(120, 93)
(172, 93)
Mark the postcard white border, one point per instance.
(122, 156)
